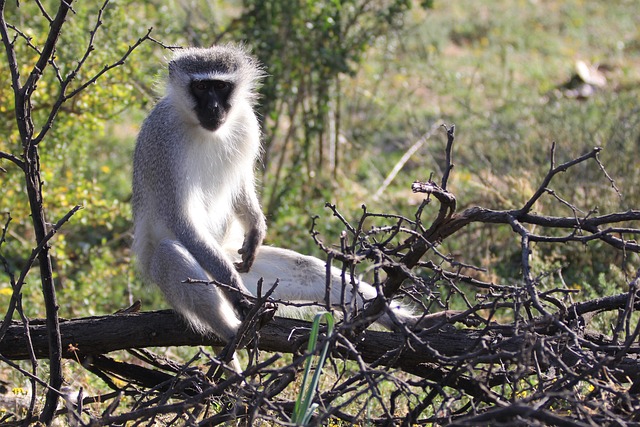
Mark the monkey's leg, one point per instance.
(203, 305)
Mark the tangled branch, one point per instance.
(521, 350)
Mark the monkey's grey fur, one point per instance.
(191, 185)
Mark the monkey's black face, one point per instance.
(212, 102)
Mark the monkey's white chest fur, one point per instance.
(211, 179)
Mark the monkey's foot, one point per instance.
(255, 318)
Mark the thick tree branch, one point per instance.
(412, 353)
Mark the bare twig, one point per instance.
(448, 155)
(553, 171)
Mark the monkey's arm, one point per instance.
(216, 263)
(251, 218)
(206, 251)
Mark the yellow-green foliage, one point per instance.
(489, 67)
(492, 68)
(84, 159)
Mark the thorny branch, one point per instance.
(527, 350)
(31, 168)
(522, 351)
(29, 162)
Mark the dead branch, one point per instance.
(104, 334)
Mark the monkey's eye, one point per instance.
(200, 85)
(220, 85)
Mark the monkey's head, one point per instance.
(211, 82)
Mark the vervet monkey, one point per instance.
(193, 179)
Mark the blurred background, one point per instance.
(352, 86)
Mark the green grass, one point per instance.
(492, 68)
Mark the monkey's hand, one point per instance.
(249, 249)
